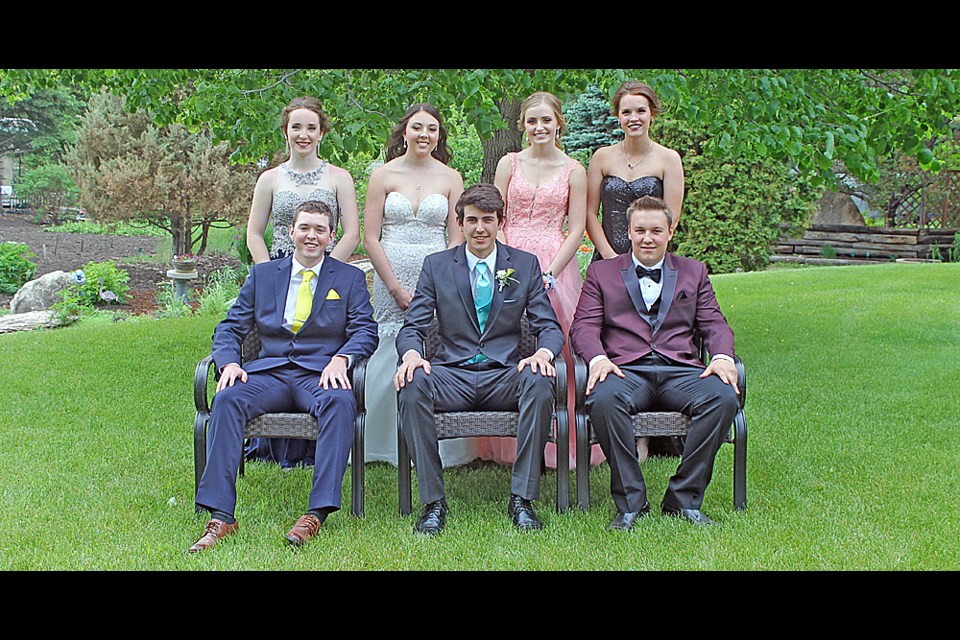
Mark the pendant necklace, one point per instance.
(637, 163)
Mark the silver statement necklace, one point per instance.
(631, 165)
(309, 177)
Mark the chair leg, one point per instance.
(357, 467)
(563, 460)
(404, 480)
(583, 462)
(199, 448)
(740, 461)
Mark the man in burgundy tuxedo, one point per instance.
(635, 324)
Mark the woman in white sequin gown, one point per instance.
(279, 191)
(409, 213)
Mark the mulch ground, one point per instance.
(56, 251)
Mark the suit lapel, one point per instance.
(503, 263)
(461, 273)
(282, 286)
(324, 284)
(668, 290)
(629, 275)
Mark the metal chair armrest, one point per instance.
(358, 377)
(741, 379)
(201, 377)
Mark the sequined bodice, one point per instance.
(407, 237)
(293, 189)
(616, 194)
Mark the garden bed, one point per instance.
(57, 251)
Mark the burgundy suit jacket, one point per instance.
(611, 318)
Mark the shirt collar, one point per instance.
(297, 267)
(491, 260)
(636, 263)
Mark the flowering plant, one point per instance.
(184, 256)
(78, 277)
(504, 279)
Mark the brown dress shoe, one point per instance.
(304, 529)
(215, 530)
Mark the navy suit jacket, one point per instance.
(340, 322)
(444, 287)
(611, 318)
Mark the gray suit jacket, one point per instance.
(444, 288)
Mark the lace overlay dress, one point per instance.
(535, 221)
(407, 238)
(292, 189)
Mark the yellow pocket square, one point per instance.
(333, 295)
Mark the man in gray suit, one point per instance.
(479, 292)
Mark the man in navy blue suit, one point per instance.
(314, 317)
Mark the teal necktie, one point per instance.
(483, 296)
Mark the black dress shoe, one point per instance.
(624, 521)
(432, 518)
(693, 515)
(521, 511)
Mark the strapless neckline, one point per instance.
(414, 213)
(612, 176)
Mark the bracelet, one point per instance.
(550, 280)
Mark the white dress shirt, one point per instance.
(649, 288)
(296, 277)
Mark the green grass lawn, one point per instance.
(854, 452)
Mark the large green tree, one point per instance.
(808, 118)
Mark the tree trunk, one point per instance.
(177, 231)
(503, 140)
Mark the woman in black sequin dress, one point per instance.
(622, 172)
(618, 175)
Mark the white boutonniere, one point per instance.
(504, 279)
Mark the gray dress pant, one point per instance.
(655, 383)
(485, 386)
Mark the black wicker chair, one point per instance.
(276, 425)
(660, 423)
(464, 424)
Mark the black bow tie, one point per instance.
(653, 274)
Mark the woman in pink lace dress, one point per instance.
(545, 191)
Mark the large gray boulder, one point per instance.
(40, 294)
(838, 208)
(28, 321)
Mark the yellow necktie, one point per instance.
(304, 301)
